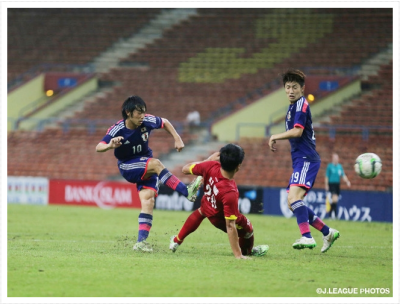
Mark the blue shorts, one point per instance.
(304, 174)
(134, 170)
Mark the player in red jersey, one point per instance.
(220, 202)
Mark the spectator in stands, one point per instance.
(193, 119)
(129, 139)
(334, 172)
(305, 161)
(220, 203)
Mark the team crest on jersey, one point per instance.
(143, 129)
(145, 136)
(288, 116)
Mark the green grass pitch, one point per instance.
(60, 251)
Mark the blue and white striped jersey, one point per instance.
(302, 148)
(136, 141)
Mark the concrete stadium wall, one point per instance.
(258, 113)
(23, 96)
(329, 102)
(60, 103)
(252, 120)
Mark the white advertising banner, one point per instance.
(28, 190)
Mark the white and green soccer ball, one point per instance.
(368, 165)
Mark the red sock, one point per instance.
(246, 244)
(191, 224)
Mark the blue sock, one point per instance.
(317, 223)
(301, 213)
(145, 223)
(168, 179)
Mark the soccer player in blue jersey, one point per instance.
(305, 161)
(130, 140)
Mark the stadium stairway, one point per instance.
(373, 65)
(70, 111)
(152, 31)
(77, 36)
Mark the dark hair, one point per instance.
(293, 75)
(132, 103)
(231, 156)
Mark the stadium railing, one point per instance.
(332, 130)
(90, 125)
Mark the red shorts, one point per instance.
(243, 225)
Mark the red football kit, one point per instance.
(221, 198)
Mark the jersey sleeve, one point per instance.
(230, 202)
(300, 118)
(343, 174)
(200, 169)
(112, 132)
(153, 122)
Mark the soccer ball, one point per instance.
(368, 165)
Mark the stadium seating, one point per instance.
(170, 80)
(235, 40)
(69, 155)
(66, 36)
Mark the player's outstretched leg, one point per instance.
(329, 239)
(193, 187)
(329, 234)
(173, 246)
(191, 224)
(170, 180)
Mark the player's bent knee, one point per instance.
(290, 199)
(288, 203)
(155, 165)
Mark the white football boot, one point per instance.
(304, 242)
(143, 246)
(173, 246)
(329, 239)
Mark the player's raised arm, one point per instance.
(114, 143)
(170, 128)
(187, 168)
